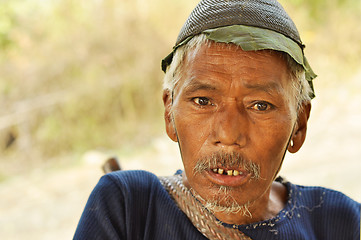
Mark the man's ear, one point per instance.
(168, 117)
(299, 133)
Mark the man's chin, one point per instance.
(224, 202)
(228, 209)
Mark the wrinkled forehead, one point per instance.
(213, 51)
(215, 64)
(227, 58)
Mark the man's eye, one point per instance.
(203, 101)
(261, 106)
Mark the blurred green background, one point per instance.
(82, 75)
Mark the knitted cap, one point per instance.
(210, 14)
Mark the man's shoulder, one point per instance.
(128, 180)
(131, 175)
(326, 194)
(326, 200)
(131, 187)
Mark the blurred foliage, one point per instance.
(6, 23)
(78, 75)
(85, 74)
(319, 9)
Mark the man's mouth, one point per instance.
(228, 177)
(227, 172)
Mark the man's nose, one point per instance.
(230, 125)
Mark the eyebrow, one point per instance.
(269, 88)
(196, 85)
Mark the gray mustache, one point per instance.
(229, 160)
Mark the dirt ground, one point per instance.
(48, 204)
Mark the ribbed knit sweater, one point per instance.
(135, 205)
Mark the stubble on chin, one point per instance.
(223, 202)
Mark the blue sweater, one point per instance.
(134, 205)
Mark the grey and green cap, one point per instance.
(251, 24)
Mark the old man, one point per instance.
(237, 92)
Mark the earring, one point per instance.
(291, 143)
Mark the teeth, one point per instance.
(228, 172)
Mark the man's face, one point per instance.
(232, 111)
